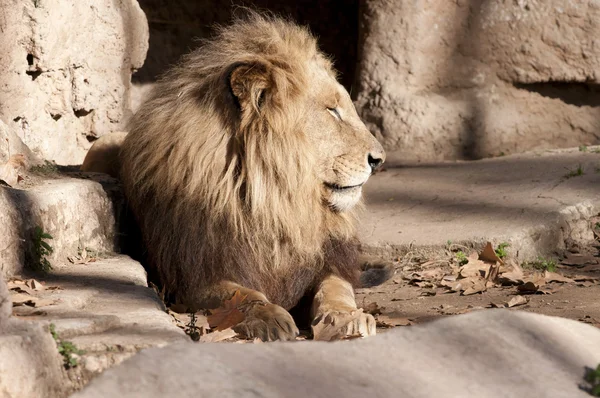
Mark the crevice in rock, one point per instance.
(17, 119)
(82, 112)
(56, 116)
(34, 74)
(571, 93)
(30, 59)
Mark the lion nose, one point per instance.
(375, 160)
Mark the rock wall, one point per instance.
(66, 70)
(476, 78)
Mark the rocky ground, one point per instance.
(432, 221)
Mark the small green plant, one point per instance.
(597, 225)
(45, 169)
(541, 264)
(592, 376)
(65, 348)
(501, 250)
(41, 249)
(575, 172)
(462, 258)
(583, 148)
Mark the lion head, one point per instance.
(246, 162)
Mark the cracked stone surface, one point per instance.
(533, 355)
(526, 200)
(106, 309)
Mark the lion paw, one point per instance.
(337, 325)
(268, 322)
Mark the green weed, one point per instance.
(462, 258)
(575, 172)
(592, 376)
(501, 250)
(541, 264)
(41, 249)
(583, 148)
(68, 350)
(45, 169)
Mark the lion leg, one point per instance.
(262, 319)
(335, 314)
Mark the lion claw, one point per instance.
(337, 325)
(267, 322)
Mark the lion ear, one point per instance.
(248, 83)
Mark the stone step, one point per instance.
(105, 308)
(536, 202)
(77, 212)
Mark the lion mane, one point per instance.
(224, 190)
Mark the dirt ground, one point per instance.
(410, 297)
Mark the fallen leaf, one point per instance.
(492, 272)
(517, 300)
(554, 277)
(477, 286)
(373, 309)
(474, 267)
(218, 335)
(514, 276)
(384, 321)
(573, 259)
(229, 314)
(528, 288)
(584, 278)
(489, 255)
(19, 299)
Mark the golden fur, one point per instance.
(230, 170)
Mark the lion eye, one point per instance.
(335, 113)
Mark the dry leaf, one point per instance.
(528, 288)
(384, 321)
(579, 259)
(474, 267)
(19, 299)
(9, 171)
(554, 277)
(517, 300)
(489, 255)
(218, 335)
(514, 276)
(492, 273)
(229, 314)
(373, 309)
(584, 278)
(476, 286)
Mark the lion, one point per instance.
(244, 169)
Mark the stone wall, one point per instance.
(477, 78)
(65, 71)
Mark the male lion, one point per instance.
(244, 169)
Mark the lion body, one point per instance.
(222, 170)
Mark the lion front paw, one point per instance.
(268, 322)
(335, 325)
